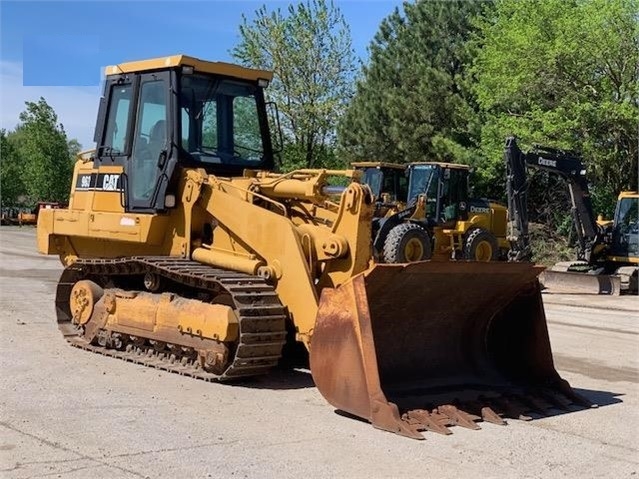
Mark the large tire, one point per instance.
(405, 243)
(481, 245)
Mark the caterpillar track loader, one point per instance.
(424, 210)
(607, 251)
(185, 251)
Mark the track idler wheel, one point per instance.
(213, 361)
(84, 295)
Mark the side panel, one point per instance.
(124, 227)
(76, 232)
(99, 189)
(81, 197)
(499, 220)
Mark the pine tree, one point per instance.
(413, 101)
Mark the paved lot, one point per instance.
(67, 413)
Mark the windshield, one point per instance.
(390, 181)
(626, 234)
(220, 121)
(421, 182)
(373, 178)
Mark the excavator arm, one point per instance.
(569, 166)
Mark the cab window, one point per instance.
(118, 118)
(150, 139)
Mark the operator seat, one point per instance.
(146, 162)
(157, 139)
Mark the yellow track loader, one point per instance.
(185, 251)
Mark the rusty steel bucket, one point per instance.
(427, 345)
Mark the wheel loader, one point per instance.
(424, 210)
(184, 250)
(388, 183)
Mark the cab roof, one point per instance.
(381, 164)
(443, 165)
(377, 164)
(165, 63)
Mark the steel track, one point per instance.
(262, 318)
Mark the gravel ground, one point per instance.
(67, 413)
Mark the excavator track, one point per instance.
(262, 318)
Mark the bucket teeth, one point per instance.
(427, 421)
(488, 415)
(511, 408)
(459, 417)
(522, 404)
(483, 411)
(492, 407)
(439, 418)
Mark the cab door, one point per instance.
(146, 171)
(99, 189)
(625, 235)
(454, 195)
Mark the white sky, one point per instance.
(76, 107)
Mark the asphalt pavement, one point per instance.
(68, 413)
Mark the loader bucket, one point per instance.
(427, 345)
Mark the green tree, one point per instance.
(413, 101)
(44, 152)
(309, 50)
(74, 147)
(11, 185)
(565, 74)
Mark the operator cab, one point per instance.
(387, 181)
(445, 187)
(625, 235)
(161, 113)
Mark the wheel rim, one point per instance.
(484, 251)
(414, 250)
